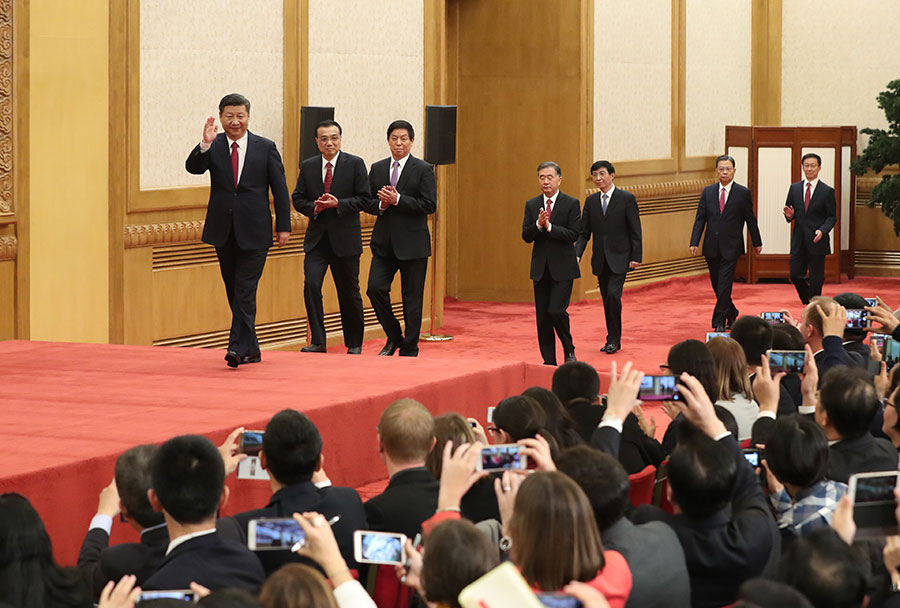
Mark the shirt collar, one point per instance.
(402, 161)
(813, 183)
(333, 161)
(151, 528)
(186, 537)
(726, 187)
(242, 142)
(608, 193)
(552, 198)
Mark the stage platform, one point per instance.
(69, 410)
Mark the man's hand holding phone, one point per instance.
(231, 456)
(623, 388)
(458, 473)
(882, 315)
(697, 407)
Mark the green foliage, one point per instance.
(884, 150)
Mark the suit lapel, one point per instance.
(403, 174)
(318, 180)
(250, 154)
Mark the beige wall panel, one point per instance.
(671, 235)
(874, 231)
(774, 170)
(7, 299)
(138, 296)
(189, 300)
(826, 174)
(836, 58)
(367, 59)
(632, 80)
(717, 72)
(189, 59)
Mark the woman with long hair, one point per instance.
(559, 423)
(733, 380)
(693, 357)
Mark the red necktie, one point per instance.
(234, 162)
(328, 178)
(722, 201)
(549, 207)
(807, 197)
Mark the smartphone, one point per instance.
(871, 301)
(659, 388)
(717, 334)
(890, 354)
(490, 415)
(251, 443)
(181, 595)
(786, 360)
(559, 600)
(857, 318)
(877, 341)
(773, 317)
(874, 503)
(754, 456)
(273, 534)
(371, 547)
(502, 457)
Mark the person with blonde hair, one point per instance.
(733, 379)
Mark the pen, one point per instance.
(302, 542)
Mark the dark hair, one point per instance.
(406, 431)
(724, 414)
(722, 157)
(292, 446)
(188, 477)
(693, 357)
(848, 396)
(603, 480)
(296, 586)
(522, 417)
(450, 427)
(550, 165)
(456, 554)
(811, 155)
(701, 473)
(786, 337)
(603, 164)
(234, 99)
(401, 124)
(132, 482)
(576, 380)
(559, 422)
(229, 597)
(765, 593)
(29, 576)
(797, 451)
(328, 123)
(852, 300)
(754, 334)
(828, 571)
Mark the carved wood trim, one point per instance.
(6, 106)
(8, 247)
(666, 197)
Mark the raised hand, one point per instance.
(458, 473)
(621, 397)
(788, 212)
(767, 387)
(698, 408)
(882, 315)
(209, 130)
(833, 324)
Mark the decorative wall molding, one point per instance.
(666, 197)
(8, 247)
(656, 271)
(864, 186)
(6, 106)
(884, 259)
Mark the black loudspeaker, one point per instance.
(440, 135)
(310, 116)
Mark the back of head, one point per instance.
(766, 593)
(576, 380)
(549, 505)
(732, 375)
(559, 423)
(603, 480)
(521, 417)
(849, 398)
(825, 569)
(296, 586)
(447, 427)
(188, 477)
(406, 431)
(132, 482)
(229, 597)
(797, 451)
(292, 446)
(852, 300)
(786, 337)
(811, 316)
(456, 554)
(701, 473)
(693, 357)
(754, 334)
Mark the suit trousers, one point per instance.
(812, 286)
(721, 275)
(241, 270)
(345, 272)
(412, 289)
(611, 285)
(551, 299)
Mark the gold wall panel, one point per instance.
(7, 299)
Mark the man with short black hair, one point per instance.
(755, 336)
(331, 190)
(828, 571)
(188, 486)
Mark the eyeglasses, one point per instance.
(890, 404)
(493, 430)
(664, 368)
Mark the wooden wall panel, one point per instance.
(7, 299)
(878, 253)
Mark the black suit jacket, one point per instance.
(617, 235)
(402, 229)
(859, 353)
(246, 207)
(301, 498)
(210, 561)
(724, 231)
(821, 215)
(866, 454)
(350, 185)
(102, 563)
(554, 249)
(409, 499)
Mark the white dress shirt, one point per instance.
(242, 151)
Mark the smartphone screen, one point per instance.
(786, 360)
(877, 340)
(559, 600)
(379, 547)
(857, 318)
(490, 415)
(276, 534)
(753, 456)
(773, 317)
(871, 301)
(251, 442)
(891, 352)
(873, 499)
(659, 388)
(502, 457)
(181, 595)
(717, 334)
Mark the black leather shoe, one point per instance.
(570, 357)
(314, 348)
(410, 353)
(251, 359)
(389, 349)
(729, 320)
(719, 328)
(610, 348)
(354, 350)
(232, 359)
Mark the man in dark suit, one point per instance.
(331, 191)
(723, 210)
(406, 194)
(188, 477)
(611, 215)
(292, 453)
(551, 223)
(242, 167)
(125, 496)
(810, 203)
